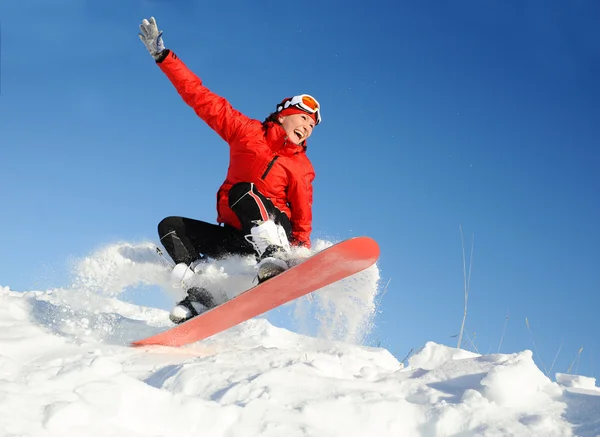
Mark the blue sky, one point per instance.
(435, 115)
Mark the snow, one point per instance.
(66, 368)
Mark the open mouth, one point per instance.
(299, 134)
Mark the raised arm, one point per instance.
(215, 110)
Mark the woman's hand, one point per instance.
(152, 37)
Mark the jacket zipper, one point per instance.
(269, 167)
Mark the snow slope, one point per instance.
(66, 369)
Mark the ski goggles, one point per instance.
(303, 102)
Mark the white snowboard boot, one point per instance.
(184, 272)
(271, 244)
(198, 301)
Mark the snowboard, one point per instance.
(325, 267)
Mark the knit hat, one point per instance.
(293, 110)
(301, 104)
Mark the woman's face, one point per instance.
(297, 126)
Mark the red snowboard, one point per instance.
(324, 268)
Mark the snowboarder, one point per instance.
(264, 206)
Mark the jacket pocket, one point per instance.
(269, 167)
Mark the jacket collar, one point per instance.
(278, 141)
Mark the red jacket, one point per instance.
(280, 169)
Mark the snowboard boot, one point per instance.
(271, 263)
(183, 272)
(198, 301)
(272, 246)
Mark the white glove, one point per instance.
(152, 37)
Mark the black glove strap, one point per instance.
(163, 55)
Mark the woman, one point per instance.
(265, 203)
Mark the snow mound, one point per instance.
(66, 370)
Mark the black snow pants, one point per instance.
(187, 240)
